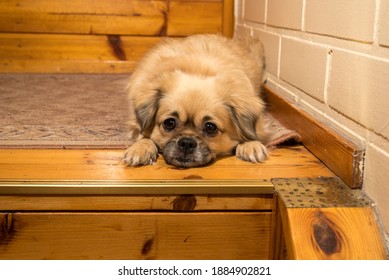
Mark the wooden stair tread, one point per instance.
(34, 164)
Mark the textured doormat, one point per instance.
(73, 111)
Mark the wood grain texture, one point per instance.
(108, 165)
(42, 53)
(146, 18)
(332, 233)
(228, 18)
(83, 17)
(277, 239)
(343, 157)
(86, 36)
(194, 17)
(178, 203)
(134, 235)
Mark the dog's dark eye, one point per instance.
(210, 128)
(169, 124)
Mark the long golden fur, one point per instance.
(196, 99)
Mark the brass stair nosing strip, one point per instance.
(135, 187)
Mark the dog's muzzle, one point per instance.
(187, 152)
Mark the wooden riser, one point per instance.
(135, 236)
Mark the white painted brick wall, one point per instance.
(331, 58)
(254, 10)
(303, 65)
(351, 19)
(285, 13)
(376, 176)
(359, 88)
(384, 23)
(271, 43)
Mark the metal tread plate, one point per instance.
(321, 192)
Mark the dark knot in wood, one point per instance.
(186, 202)
(147, 246)
(115, 42)
(326, 236)
(7, 228)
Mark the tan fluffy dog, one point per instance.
(196, 99)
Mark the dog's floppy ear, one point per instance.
(146, 110)
(245, 122)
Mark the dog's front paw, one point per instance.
(142, 152)
(253, 151)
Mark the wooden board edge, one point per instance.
(145, 203)
(228, 18)
(286, 234)
(344, 157)
(278, 249)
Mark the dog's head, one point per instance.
(193, 118)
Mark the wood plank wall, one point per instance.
(88, 36)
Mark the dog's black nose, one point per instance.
(187, 144)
